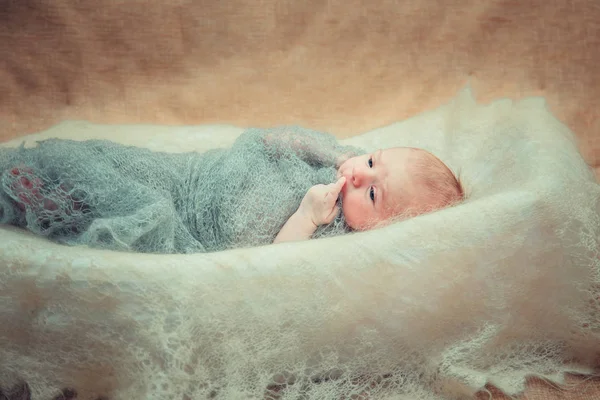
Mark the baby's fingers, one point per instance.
(337, 186)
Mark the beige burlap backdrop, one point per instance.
(343, 66)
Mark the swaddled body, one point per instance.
(107, 195)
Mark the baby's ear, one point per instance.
(459, 185)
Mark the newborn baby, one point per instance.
(272, 185)
(376, 189)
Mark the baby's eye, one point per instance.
(370, 162)
(372, 194)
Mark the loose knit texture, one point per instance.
(106, 195)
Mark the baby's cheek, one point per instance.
(353, 213)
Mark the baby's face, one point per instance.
(378, 186)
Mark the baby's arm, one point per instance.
(317, 208)
(298, 227)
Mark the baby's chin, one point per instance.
(358, 225)
(350, 222)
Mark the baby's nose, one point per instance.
(359, 175)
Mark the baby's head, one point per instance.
(393, 184)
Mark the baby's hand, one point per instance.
(319, 203)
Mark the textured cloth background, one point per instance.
(342, 66)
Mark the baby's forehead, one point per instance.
(418, 157)
(406, 153)
(399, 163)
(413, 170)
(405, 159)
